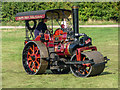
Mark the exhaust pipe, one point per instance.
(75, 22)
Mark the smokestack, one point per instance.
(75, 21)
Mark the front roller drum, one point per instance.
(86, 70)
(32, 58)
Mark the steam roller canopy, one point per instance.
(88, 70)
(33, 56)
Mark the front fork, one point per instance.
(79, 50)
(92, 48)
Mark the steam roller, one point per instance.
(64, 50)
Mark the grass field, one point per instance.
(14, 76)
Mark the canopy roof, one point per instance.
(54, 13)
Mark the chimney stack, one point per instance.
(75, 22)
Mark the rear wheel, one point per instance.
(32, 61)
(86, 70)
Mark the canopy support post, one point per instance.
(27, 36)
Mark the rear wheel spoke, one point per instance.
(37, 51)
(30, 63)
(31, 49)
(29, 53)
(34, 67)
(29, 58)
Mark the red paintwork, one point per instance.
(30, 17)
(38, 38)
(67, 49)
(78, 55)
(87, 41)
(62, 48)
(46, 36)
(58, 32)
(60, 51)
(27, 41)
(79, 50)
(60, 35)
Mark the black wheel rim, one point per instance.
(31, 58)
(80, 70)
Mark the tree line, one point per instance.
(87, 10)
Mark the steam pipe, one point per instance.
(75, 22)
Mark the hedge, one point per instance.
(87, 10)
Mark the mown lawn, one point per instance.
(14, 76)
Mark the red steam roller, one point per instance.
(64, 50)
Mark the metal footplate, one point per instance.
(80, 62)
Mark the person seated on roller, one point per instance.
(41, 28)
